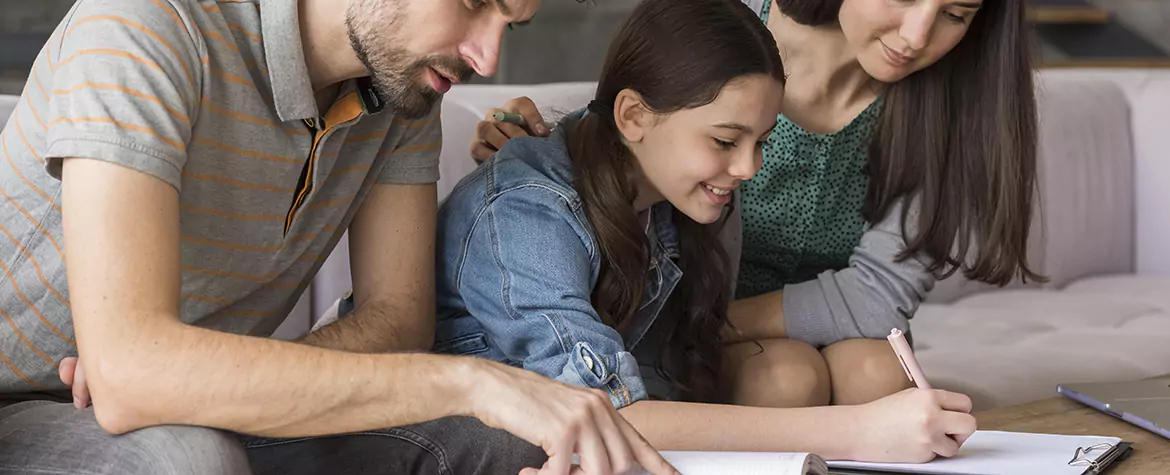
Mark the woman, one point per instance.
(592, 256)
(922, 101)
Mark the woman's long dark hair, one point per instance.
(960, 138)
(676, 54)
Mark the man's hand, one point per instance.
(562, 420)
(73, 375)
(490, 136)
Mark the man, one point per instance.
(175, 174)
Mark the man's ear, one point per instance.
(631, 115)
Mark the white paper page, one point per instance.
(1003, 453)
(736, 463)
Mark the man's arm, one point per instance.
(392, 260)
(145, 367)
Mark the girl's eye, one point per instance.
(723, 144)
(476, 4)
(955, 18)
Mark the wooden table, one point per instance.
(1060, 415)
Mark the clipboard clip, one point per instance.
(1110, 454)
(1080, 457)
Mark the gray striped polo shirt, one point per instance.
(212, 97)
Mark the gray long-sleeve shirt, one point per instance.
(874, 294)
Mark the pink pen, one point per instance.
(906, 357)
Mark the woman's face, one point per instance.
(695, 158)
(895, 38)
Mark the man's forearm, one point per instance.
(379, 328)
(190, 376)
(756, 318)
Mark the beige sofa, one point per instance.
(1103, 236)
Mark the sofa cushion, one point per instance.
(1084, 220)
(1014, 346)
(466, 105)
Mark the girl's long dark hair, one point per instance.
(960, 138)
(676, 54)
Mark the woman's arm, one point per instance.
(876, 293)
(912, 426)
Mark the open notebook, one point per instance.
(746, 463)
(1009, 453)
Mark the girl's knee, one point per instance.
(863, 370)
(782, 373)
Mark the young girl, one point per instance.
(926, 102)
(592, 256)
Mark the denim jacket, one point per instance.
(517, 262)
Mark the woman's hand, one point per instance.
(490, 135)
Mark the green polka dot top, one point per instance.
(802, 212)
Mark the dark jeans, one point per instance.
(43, 437)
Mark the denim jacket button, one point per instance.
(588, 361)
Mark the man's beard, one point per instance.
(396, 75)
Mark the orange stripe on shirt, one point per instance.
(326, 204)
(37, 79)
(356, 168)
(172, 13)
(248, 34)
(238, 116)
(36, 267)
(416, 148)
(236, 79)
(228, 245)
(367, 137)
(147, 31)
(20, 132)
(413, 124)
(36, 116)
(49, 54)
(247, 153)
(121, 125)
(12, 323)
(36, 311)
(218, 273)
(111, 52)
(17, 372)
(114, 87)
(215, 36)
(236, 183)
(210, 8)
(36, 223)
(228, 214)
(31, 185)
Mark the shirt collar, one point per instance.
(292, 90)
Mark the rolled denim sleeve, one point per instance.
(527, 278)
(876, 293)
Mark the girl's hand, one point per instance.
(913, 426)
